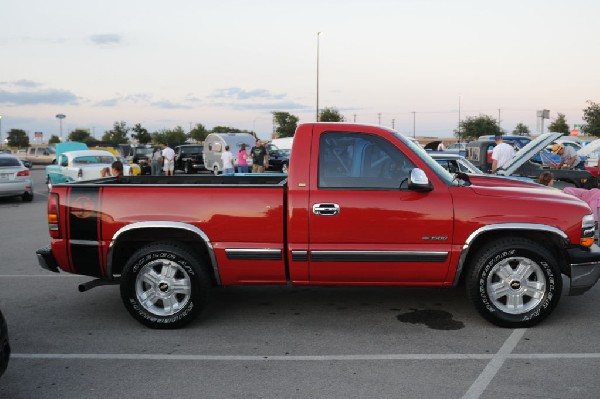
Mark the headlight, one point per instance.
(588, 230)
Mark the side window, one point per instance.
(361, 161)
(64, 161)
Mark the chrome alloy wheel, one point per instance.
(516, 285)
(163, 287)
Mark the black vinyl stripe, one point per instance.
(357, 256)
(83, 226)
(299, 256)
(253, 254)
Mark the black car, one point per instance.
(279, 160)
(140, 154)
(4, 346)
(189, 158)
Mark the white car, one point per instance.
(15, 179)
(81, 165)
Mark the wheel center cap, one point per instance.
(515, 285)
(163, 287)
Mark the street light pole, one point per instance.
(1, 132)
(317, 114)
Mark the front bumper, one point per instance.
(584, 268)
(46, 259)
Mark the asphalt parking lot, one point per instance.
(277, 342)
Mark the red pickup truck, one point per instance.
(362, 205)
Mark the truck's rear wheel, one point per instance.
(514, 282)
(164, 285)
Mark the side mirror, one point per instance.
(418, 181)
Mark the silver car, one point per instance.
(15, 179)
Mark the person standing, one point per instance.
(168, 156)
(441, 146)
(260, 159)
(242, 160)
(227, 159)
(501, 154)
(155, 161)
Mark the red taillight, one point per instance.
(53, 217)
(23, 173)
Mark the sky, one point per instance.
(415, 65)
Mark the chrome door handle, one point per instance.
(326, 209)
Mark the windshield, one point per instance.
(143, 151)
(91, 160)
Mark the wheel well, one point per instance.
(129, 242)
(551, 242)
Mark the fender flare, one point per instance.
(497, 227)
(161, 224)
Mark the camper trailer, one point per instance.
(214, 146)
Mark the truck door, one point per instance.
(365, 225)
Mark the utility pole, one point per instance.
(354, 118)
(459, 136)
(393, 121)
(414, 124)
(499, 128)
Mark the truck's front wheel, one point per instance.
(514, 282)
(164, 285)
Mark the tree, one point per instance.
(118, 134)
(198, 133)
(473, 127)
(172, 137)
(285, 123)
(54, 139)
(225, 129)
(521, 129)
(591, 116)
(141, 134)
(559, 125)
(17, 138)
(330, 114)
(80, 135)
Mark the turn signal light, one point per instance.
(587, 241)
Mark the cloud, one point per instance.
(50, 96)
(111, 102)
(166, 104)
(281, 106)
(106, 39)
(29, 84)
(241, 94)
(141, 98)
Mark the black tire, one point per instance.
(514, 282)
(27, 197)
(163, 274)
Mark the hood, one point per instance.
(527, 152)
(69, 146)
(478, 180)
(526, 192)
(589, 148)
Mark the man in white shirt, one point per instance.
(168, 161)
(501, 154)
(227, 158)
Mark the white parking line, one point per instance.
(494, 365)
